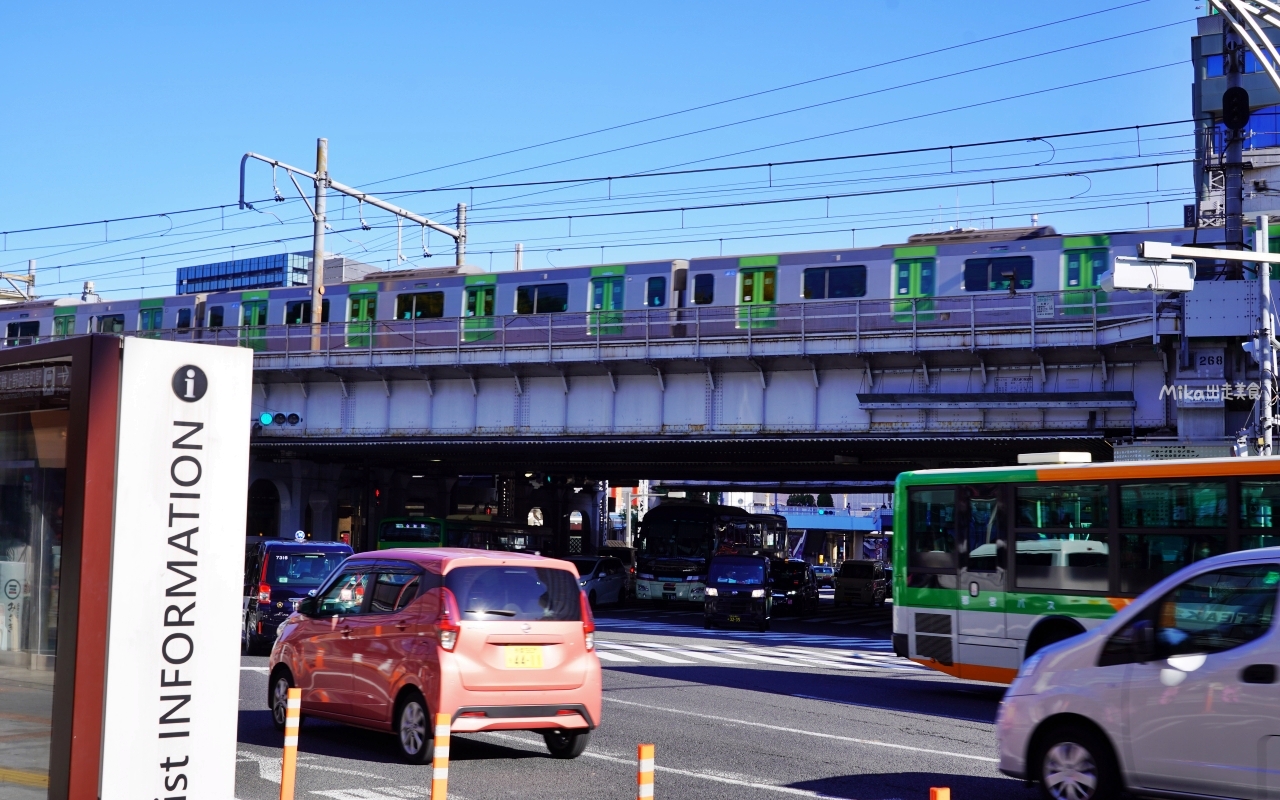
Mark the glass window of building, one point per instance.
(34, 414)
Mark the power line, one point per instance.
(761, 93)
(874, 192)
(811, 106)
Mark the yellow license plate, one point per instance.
(734, 619)
(523, 657)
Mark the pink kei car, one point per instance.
(498, 641)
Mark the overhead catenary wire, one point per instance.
(761, 93)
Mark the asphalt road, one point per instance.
(815, 708)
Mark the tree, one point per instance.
(800, 500)
(825, 501)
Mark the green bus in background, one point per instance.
(476, 531)
(990, 565)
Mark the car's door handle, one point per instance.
(401, 625)
(1258, 673)
(346, 633)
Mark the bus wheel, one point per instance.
(1051, 631)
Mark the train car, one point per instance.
(929, 279)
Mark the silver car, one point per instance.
(1177, 695)
(603, 579)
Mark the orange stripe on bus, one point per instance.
(1205, 469)
(972, 672)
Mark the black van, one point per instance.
(277, 574)
(738, 592)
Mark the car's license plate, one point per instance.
(668, 587)
(521, 657)
(733, 618)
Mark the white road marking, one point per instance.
(263, 670)
(815, 734)
(604, 656)
(647, 654)
(690, 652)
(768, 787)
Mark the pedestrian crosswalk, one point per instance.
(779, 637)
(631, 652)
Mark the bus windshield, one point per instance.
(675, 538)
(421, 532)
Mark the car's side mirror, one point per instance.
(1144, 641)
(307, 607)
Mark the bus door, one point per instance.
(363, 312)
(983, 562)
(1084, 259)
(477, 313)
(758, 294)
(606, 305)
(253, 321)
(914, 284)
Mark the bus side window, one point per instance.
(984, 542)
(932, 528)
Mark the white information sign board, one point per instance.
(173, 655)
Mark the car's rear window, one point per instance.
(747, 571)
(301, 569)
(515, 593)
(788, 570)
(854, 569)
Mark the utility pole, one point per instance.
(325, 183)
(1266, 331)
(461, 238)
(1233, 63)
(317, 241)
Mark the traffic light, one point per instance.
(1235, 108)
(278, 418)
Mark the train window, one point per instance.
(22, 332)
(831, 283)
(704, 289)
(184, 318)
(150, 319)
(421, 305)
(545, 298)
(904, 278)
(655, 292)
(298, 312)
(215, 316)
(111, 323)
(993, 274)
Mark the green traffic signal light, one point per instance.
(265, 418)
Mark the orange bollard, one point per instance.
(292, 714)
(644, 775)
(440, 759)
(939, 793)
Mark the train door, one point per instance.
(151, 318)
(915, 273)
(757, 292)
(253, 320)
(363, 311)
(477, 312)
(64, 325)
(606, 304)
(1084, 259)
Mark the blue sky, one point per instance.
(136, 108)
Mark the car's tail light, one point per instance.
(449, 619)
(588, 621)
(264, 593)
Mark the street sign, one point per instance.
(1150, 275)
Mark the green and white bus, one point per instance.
(994, 564)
